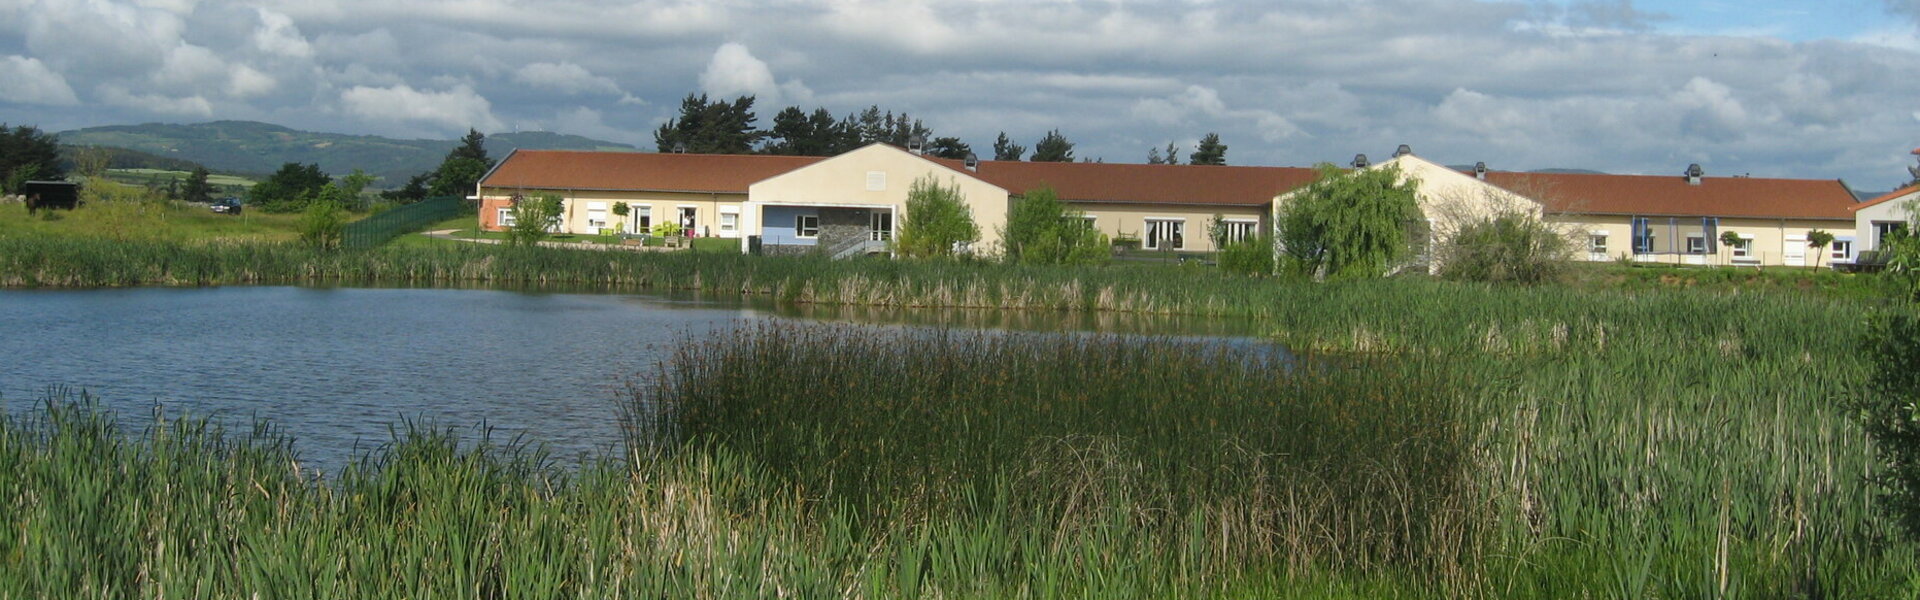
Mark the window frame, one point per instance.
(800, 227)
(1178, 226)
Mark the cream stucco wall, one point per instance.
(1449, 199)
(876, 176)
(665, 207)
(1770, 239)
(1130, 220)
(1897, 210)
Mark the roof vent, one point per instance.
(973, 162)
(679, 147)
(1480, 170)
(1360, 161)
(1403, 150)
(917, 144)
(1694, 172)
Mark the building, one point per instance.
(1880, 217)
(851, 203)
(1682, 219)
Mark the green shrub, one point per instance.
(1251, 256)
(1510, 247)
(936, 222)
(1042, 230)
(1890, 412)
(322, 224)
(532, 217)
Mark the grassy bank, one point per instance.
(144, 223)
(870, 462)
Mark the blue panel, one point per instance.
(776, 225)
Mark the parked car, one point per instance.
(228, 206)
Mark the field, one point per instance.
(170, 222)
(234, 183)
(1432, 439)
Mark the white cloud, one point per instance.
(184, 106)
(565, 78)
(1203, 104)
(278, 35)
(29, 81)
(454, 110)
(247, 82)
(734, 71)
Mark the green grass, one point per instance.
(140, 222)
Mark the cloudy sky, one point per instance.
(1817, 89)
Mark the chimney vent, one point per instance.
(1480, 170)
(679, 147)
(917, 144)
(1360, 161)
(973, 162)
(1403, 150)
(1694, 172)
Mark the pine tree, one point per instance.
(1053, 147)
(1210, 151)
(196, 188)
(1005, 149)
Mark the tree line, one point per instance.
(707, 125)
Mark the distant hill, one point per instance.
(122, 158)
(254, 148)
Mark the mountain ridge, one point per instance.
(259, 148)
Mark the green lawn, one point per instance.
(157, 221)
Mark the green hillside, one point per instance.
(260, 148)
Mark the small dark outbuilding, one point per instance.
(51, 194)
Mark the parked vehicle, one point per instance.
(227, 206)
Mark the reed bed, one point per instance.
(1435, 439)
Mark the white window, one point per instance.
(1597, 243)
(806, 226)
(1744, 249)
(505, 219)
(1696, 243)
(1165, 234)
(689, 218)
(729, 221)
(642, 218)
(596, 216)
(1237, 230)
(876, 181)
(880, 226)
(1842, 249)
(1090, 221)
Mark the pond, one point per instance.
(336, 368)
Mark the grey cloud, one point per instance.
(1521, 85)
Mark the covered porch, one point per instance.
(836, 230)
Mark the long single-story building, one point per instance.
(850, 203)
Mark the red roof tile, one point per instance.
(1657, 195)
(584, 170)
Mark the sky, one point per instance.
(1770, 88)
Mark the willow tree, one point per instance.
(936, 221)
(1349, 224)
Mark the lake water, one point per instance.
(337, 367)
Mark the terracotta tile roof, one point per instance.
(585, 170)
(1148, 184)
(1888, 197)
(1660, 195)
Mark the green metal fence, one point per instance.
(376, 230)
